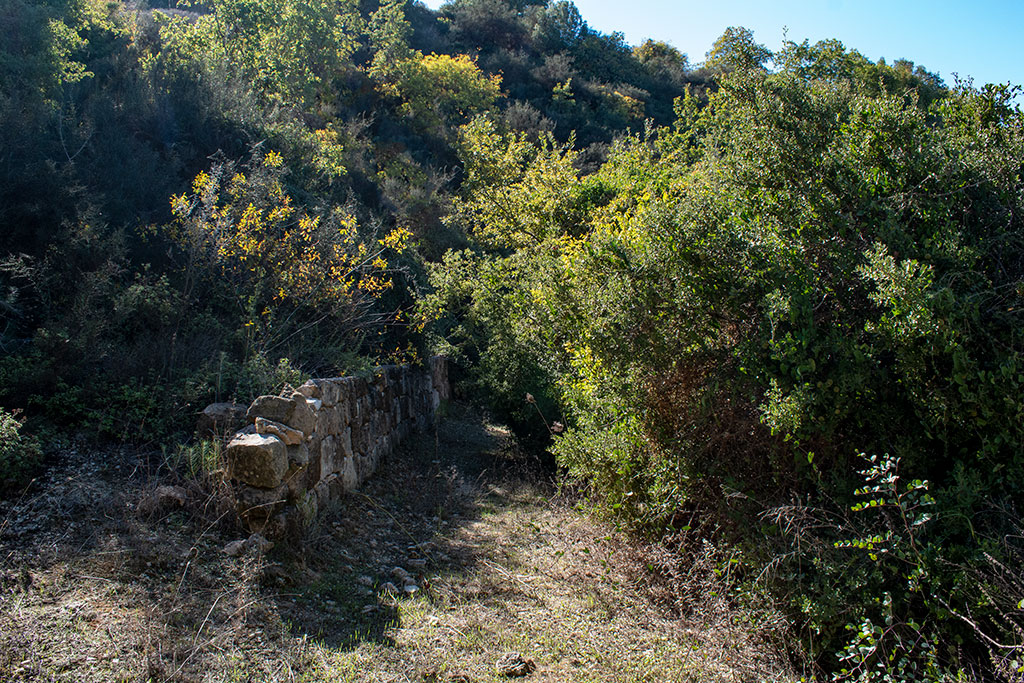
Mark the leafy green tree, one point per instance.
(517, 193)
(736, 50)
(292, 50)
(389, 32)
(437, 91)
(559, 26)
(665, 62)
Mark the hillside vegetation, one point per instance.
(770, 299)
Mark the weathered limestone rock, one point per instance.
(328, 391)
(165, 498)
(285, 524)
(344, 412)
(254, 542)
(276, 408)
(291, 437)
(349, 477)
(257, 459)
(256, 505)
(327, 422)
(328, 457)
(512, 665)
(301, 479)
(344, 443)
(302, 417)
(311, 390)
(218, 419)
(323, 496)
(298, 455)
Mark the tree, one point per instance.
(735, 50)
(288, 270)
(516, 193)
(440, 90)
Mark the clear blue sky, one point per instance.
(983, 39)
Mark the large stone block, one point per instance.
(358, 413)
(302, 479)
(298, 455)
(345, 443)
(349, 477)
(303, 418)
(364, 466)
(328, 457)
(284, 526)
(218, 419)
(332, 390)
(323, 421)
(337, 487)
(337, 423)
(276, 408)
(257, 459)
(344, 387)
(360, 439)
(256, 504)
(344, 409)
(329, 491)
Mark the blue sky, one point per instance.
(983, 39)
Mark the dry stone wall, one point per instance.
(303, 451)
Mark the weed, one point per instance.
(202, 461)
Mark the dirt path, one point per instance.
(451, 558)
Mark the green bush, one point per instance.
(806, 268)
(20, 454)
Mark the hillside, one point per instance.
(769, 301)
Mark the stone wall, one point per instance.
(304, 450)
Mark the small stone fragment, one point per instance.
(310, 390)
(512, 665)
(234, 548)
(291, 437)
(260, 544)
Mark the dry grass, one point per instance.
(502, 564)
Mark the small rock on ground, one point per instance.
(512, 665)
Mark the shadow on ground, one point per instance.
(99, 583)
(379, 547)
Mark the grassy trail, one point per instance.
(455, 555)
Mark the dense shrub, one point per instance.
(807, 268)
(20, 454)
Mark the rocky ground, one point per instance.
(456, 562)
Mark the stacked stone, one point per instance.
(304, 450)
